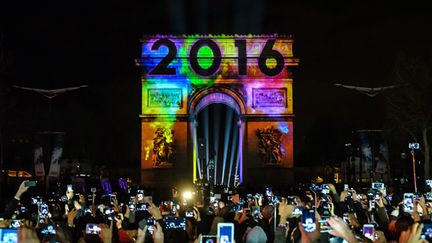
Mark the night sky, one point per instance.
(56, 45)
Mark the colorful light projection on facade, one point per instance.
(175, 68)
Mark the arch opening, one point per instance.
(218, 143)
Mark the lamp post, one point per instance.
(414, 170)
(414, 146)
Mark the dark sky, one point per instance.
(55, 45)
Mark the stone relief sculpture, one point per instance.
(163, 147)
(270, 145)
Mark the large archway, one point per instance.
(217, 132)
(249, 76)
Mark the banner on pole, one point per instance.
(56, 155)
(38, 161)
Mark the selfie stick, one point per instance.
(414, 170)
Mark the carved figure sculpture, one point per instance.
(270, 145)
(163, 147)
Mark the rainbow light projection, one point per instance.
(180, 70)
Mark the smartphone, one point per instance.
(346, 219)
(189, 213)
(408, 201)
(325, 189)
(109, 213)
(69, 188)
(369, 231)
(291, 200)
(172, 223)
(113, 199)
(297, 211)
(141, 207)
(377, 196)
(256, 213)
(237, 208)
(15, 224)
(140, 195)
(308, 220)
(225, 232)
(36, 200)
(208, 239)
(150, 224)
(248, 212)
(8, 235)
(92, 229)
(43, 211)
(48, 229)
(371, 204)
(426, 232)
(378, 185)
(30, 183)
(324, 226)
(269, 191)
(23, 209)
(346, 187)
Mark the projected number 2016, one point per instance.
(266, 53)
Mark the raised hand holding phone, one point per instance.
(369, 231)
(408, 202)
(157, 234)
(340, 229)
(30, 183)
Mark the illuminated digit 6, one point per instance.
(193, 57)
(267, 53)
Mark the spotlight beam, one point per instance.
(206, 135)
(226, 140)
(195, 142)
(216, 126)
(234, 153)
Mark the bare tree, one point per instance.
(409, 107)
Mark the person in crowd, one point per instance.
(315, 212)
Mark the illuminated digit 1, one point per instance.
(242, 59)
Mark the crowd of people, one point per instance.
(315, 212)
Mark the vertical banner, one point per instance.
(38, 161)
(56, 155)
(375, 154)
(366, 154)
(383, 158)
